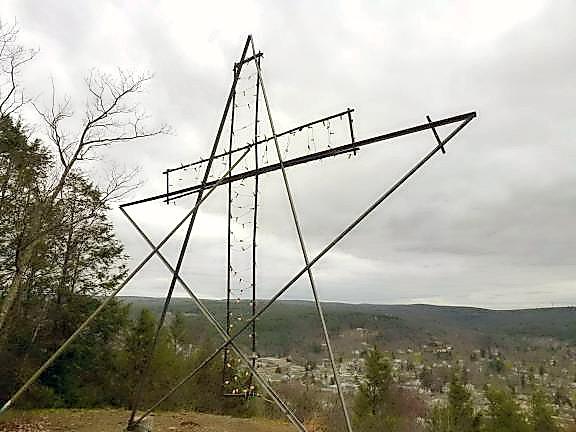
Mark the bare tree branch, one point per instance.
(12, 57)
(53, 119)
(111, 116)
(120, 182)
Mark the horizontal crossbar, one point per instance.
(265, 140)
(249, 59)
(347, 148)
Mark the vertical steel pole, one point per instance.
(167, 187)
(349, 113)
(255, 222)
(186, 239)
(229, 238)
(304, 251)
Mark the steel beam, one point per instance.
(348, 112)
(335, 151)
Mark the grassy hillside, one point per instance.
(114, 420)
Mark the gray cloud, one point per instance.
(489, 224)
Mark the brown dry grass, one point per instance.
(112, 420)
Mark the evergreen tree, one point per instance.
(372, 405)
(460, 406)
(78, 260)
(458, 415)
(109, 118)
(541, 413)
(374, 392)
(503, 413)
(87, 374)
(137, 347)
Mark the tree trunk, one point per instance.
(64, 274)
(22, 264)
(5, 186)
(9, 300)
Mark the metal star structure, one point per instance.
(239, 166)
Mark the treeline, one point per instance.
(75, 261)
(57, 254)
(52, 216)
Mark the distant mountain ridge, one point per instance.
(292, 326)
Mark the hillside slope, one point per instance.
(290, 327)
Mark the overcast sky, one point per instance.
(489, 224)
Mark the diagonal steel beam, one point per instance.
(438, 140)
(212, 320)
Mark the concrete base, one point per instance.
(144, 426)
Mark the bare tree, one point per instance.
(111, 116)
(13, 56)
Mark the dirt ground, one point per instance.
(115, 421)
